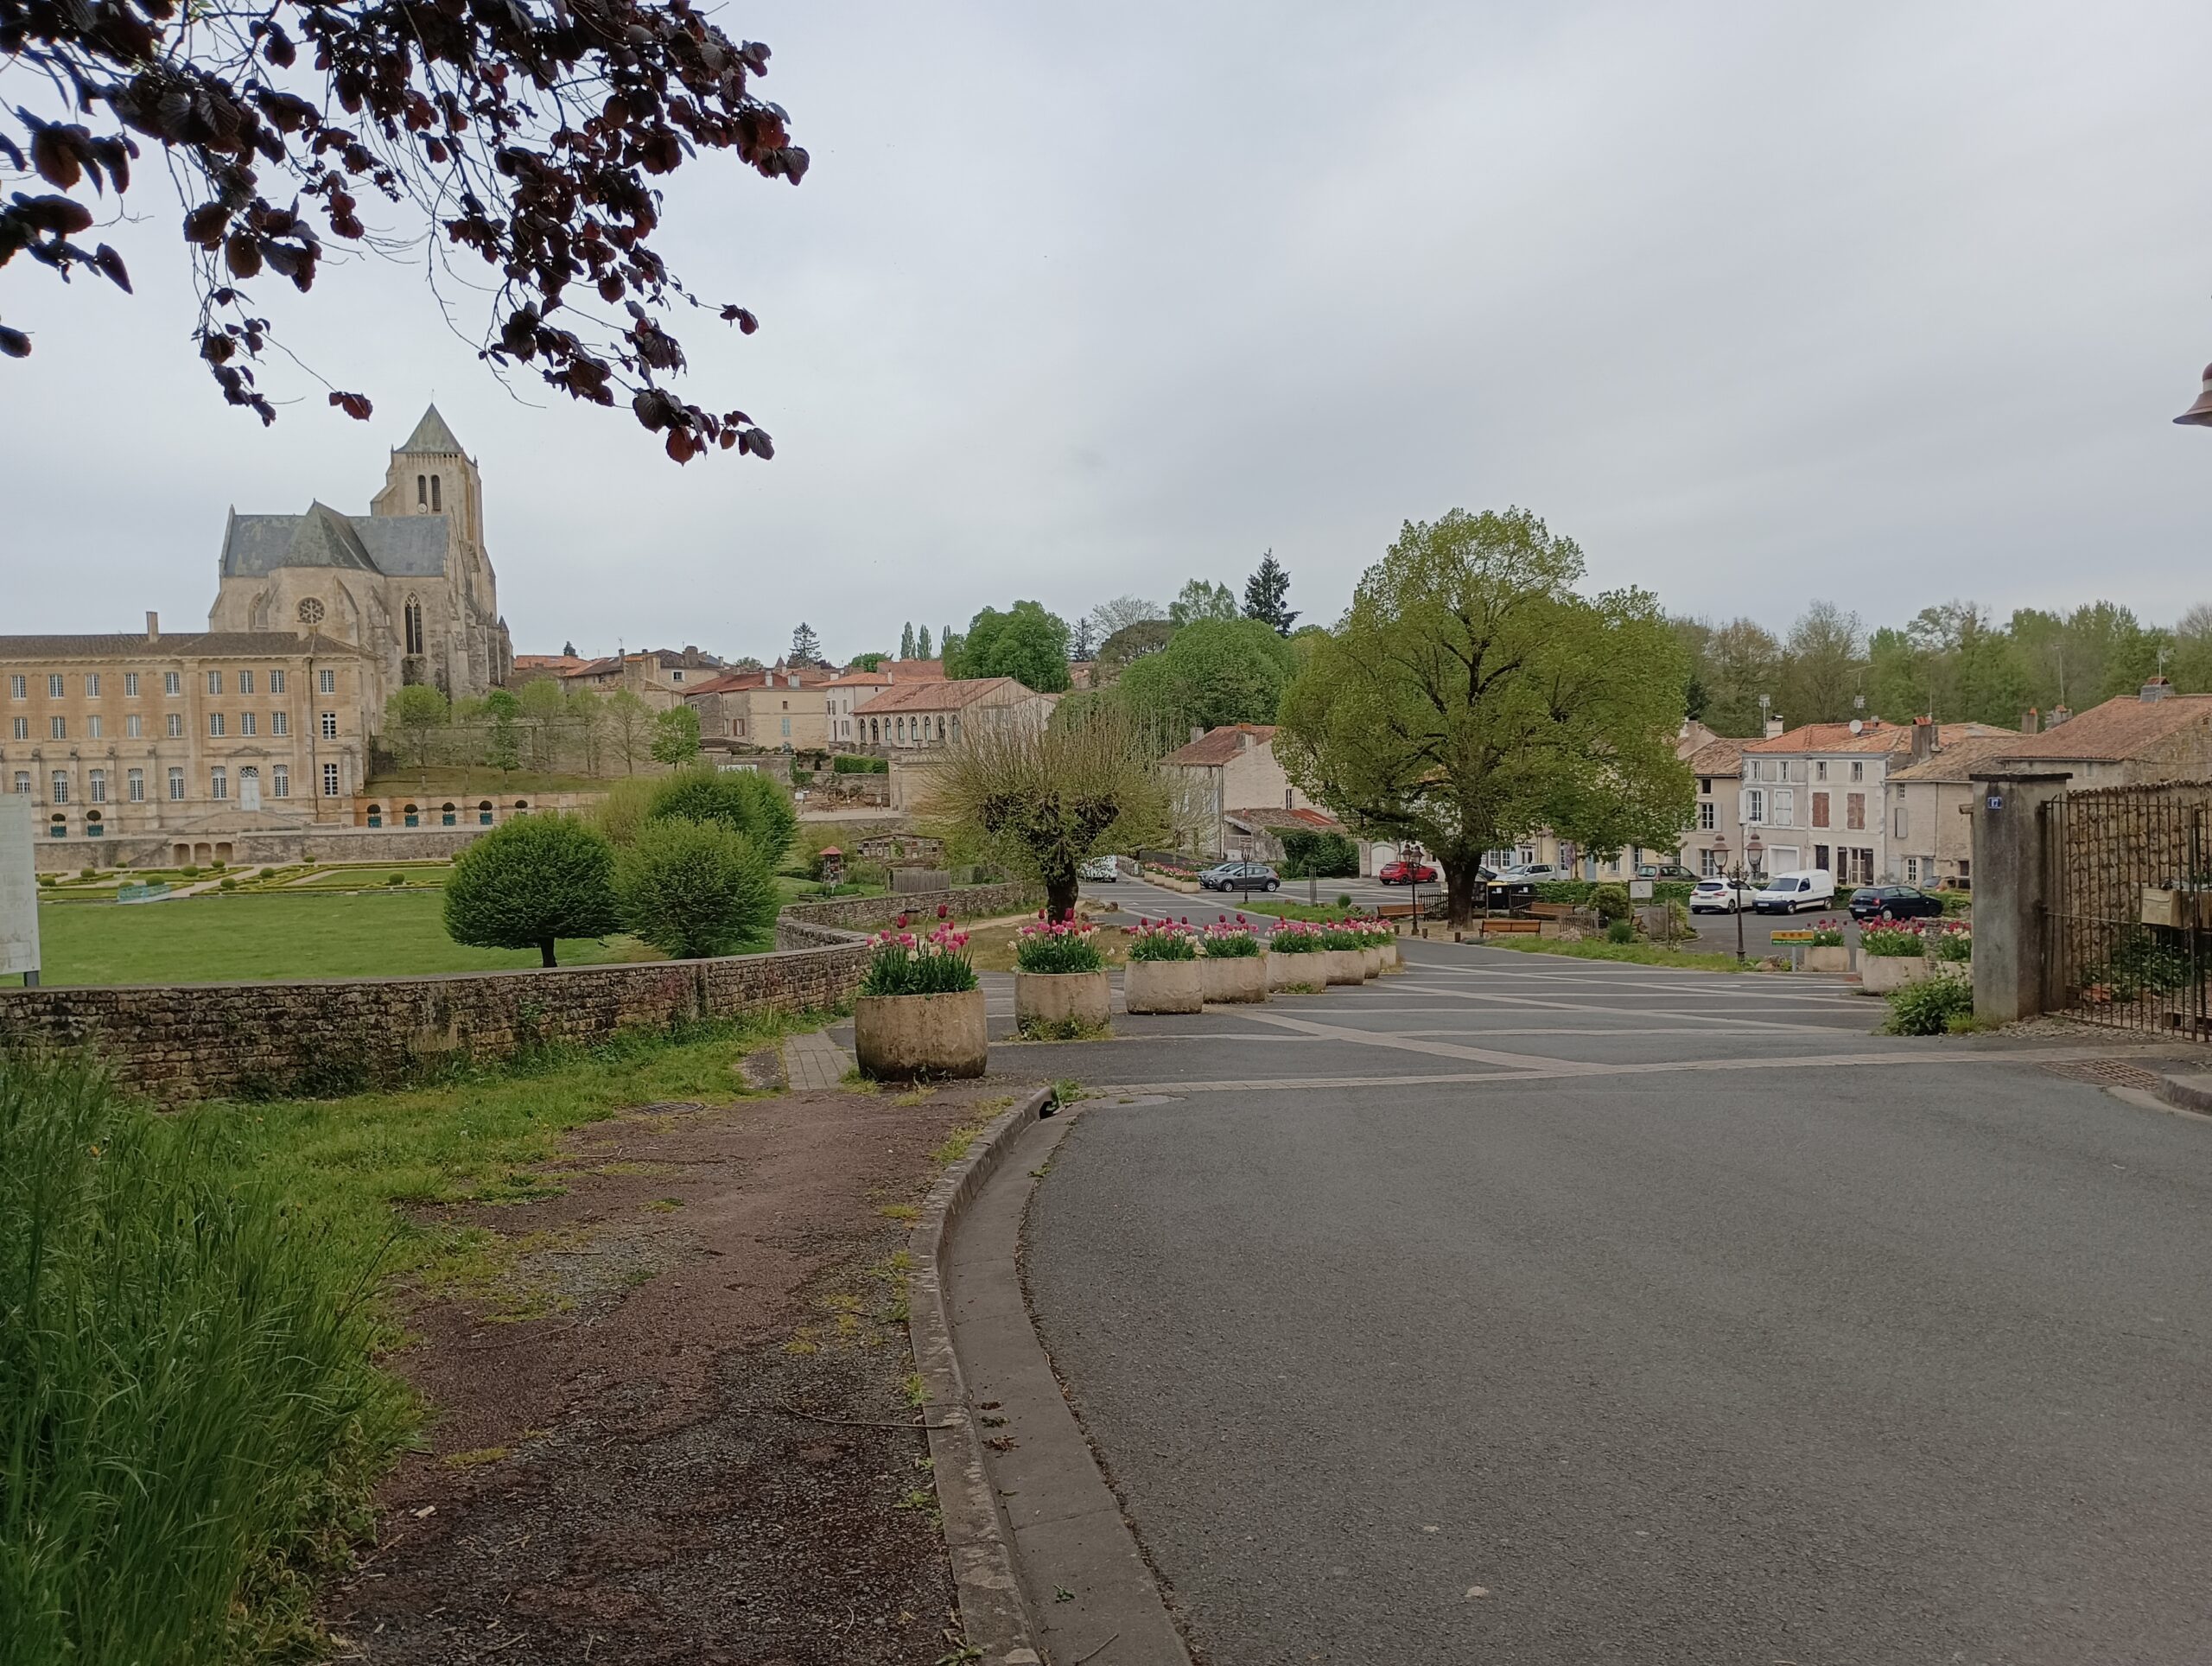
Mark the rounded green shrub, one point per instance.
(743, 800)
(531, 880)
(1610, 901)
(394, 879)
(693, 889)
(1928, 1006)
(1621, 931)
(228, 884)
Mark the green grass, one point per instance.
(190, 1421)
(1640, 954)
(276, 935)
(364, 876)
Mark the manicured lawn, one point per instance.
(362, 876)
(274, 934)
(1641, 954)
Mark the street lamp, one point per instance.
(1755, 854)
(2200, 414)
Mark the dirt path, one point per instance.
(611, 1475)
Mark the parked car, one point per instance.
(1405, 872)
(1530, 872)
(1663, 870)
(1238, 876)
(1100, 870)
(1898, 901)
(1720, 896)
(1785, 893)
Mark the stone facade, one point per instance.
(409, 582)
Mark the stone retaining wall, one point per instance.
(338, 1035)
(863, 913)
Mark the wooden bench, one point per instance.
(1551, 910)
(1511, 927)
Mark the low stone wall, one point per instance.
(319, 842)
(338, 1035)
(864, 913)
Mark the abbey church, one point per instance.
(408, 581)
(136, 748)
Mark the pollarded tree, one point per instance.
(1045, 799)
(545, 721)
(1471, 696)
(530, 881)
(530, 137)
(693, 889)
(743, 800)
(629, 728)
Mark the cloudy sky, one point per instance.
(1885, 303)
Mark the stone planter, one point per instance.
(1370, 960)
(1238, 979)
(1293, 971)
(1827, 958)
(1345, 965)
(908, 1037)
(1879, 974)
(1394, 956)
(1163, 986)
(1082, 998)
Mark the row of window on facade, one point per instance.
(19, 683)
(907, 731)
(1780, 769)
(1777, 807)
(134, 725)
(61, 788)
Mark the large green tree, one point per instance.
(1202, 598)
(1472, 695)
(1267, 595)
(1824, 666)
(414, 718)
(693, 889)
(1212, 672)
(1025, 642)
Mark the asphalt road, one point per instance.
(1522, 1309)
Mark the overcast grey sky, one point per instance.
(1885, 303)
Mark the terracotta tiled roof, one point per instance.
(1875, 737)
(1716, 758)
(859, 679)
(1216, 746)
(914, 671)
(941, 695)
(1278, 820)
(2119, 729)
(1953, 762)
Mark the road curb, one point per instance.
(2192, 1092)
(992, 1612)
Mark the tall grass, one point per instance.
(186, 1400)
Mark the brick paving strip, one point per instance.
(813, 1060)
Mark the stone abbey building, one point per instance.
(142, 748)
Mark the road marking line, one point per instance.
(1441, 1049)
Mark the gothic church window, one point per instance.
(414, 626)
(422, 491)
(311, 611)
(436, 508)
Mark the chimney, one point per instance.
(2031, 722)
(2059, 714)
(153, 625)
(1924, 739)
(2157, 689)
(1198, 731)
(1243, 739)
(1774, 725)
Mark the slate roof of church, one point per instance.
(399, 546)
(431, 435)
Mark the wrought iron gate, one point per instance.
(2128, 930)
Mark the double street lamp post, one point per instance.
(1755, 854)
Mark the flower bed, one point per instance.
(920, 1011)
(1228, 940)
(1892, 939)
(1827, 934)
(904, 964)
(1058, 947)
(1163, 939)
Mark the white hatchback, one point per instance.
(1720, 896)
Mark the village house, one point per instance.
(1230, 775)
(783, 709)
(925, 715)
(843, 696)
(1931, 840)
(1718, 765)
(1816, 794)
(661, 677)
(2131, 740)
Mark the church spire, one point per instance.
(431, 435)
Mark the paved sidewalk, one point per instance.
(813, 1060)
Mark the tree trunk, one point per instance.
(1061, 893)
(1462, 880)
(545, 948)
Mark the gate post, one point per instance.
(2012, 876)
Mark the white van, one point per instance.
(1785, 893)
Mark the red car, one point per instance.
(1406, 873)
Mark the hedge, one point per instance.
(846, 763)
